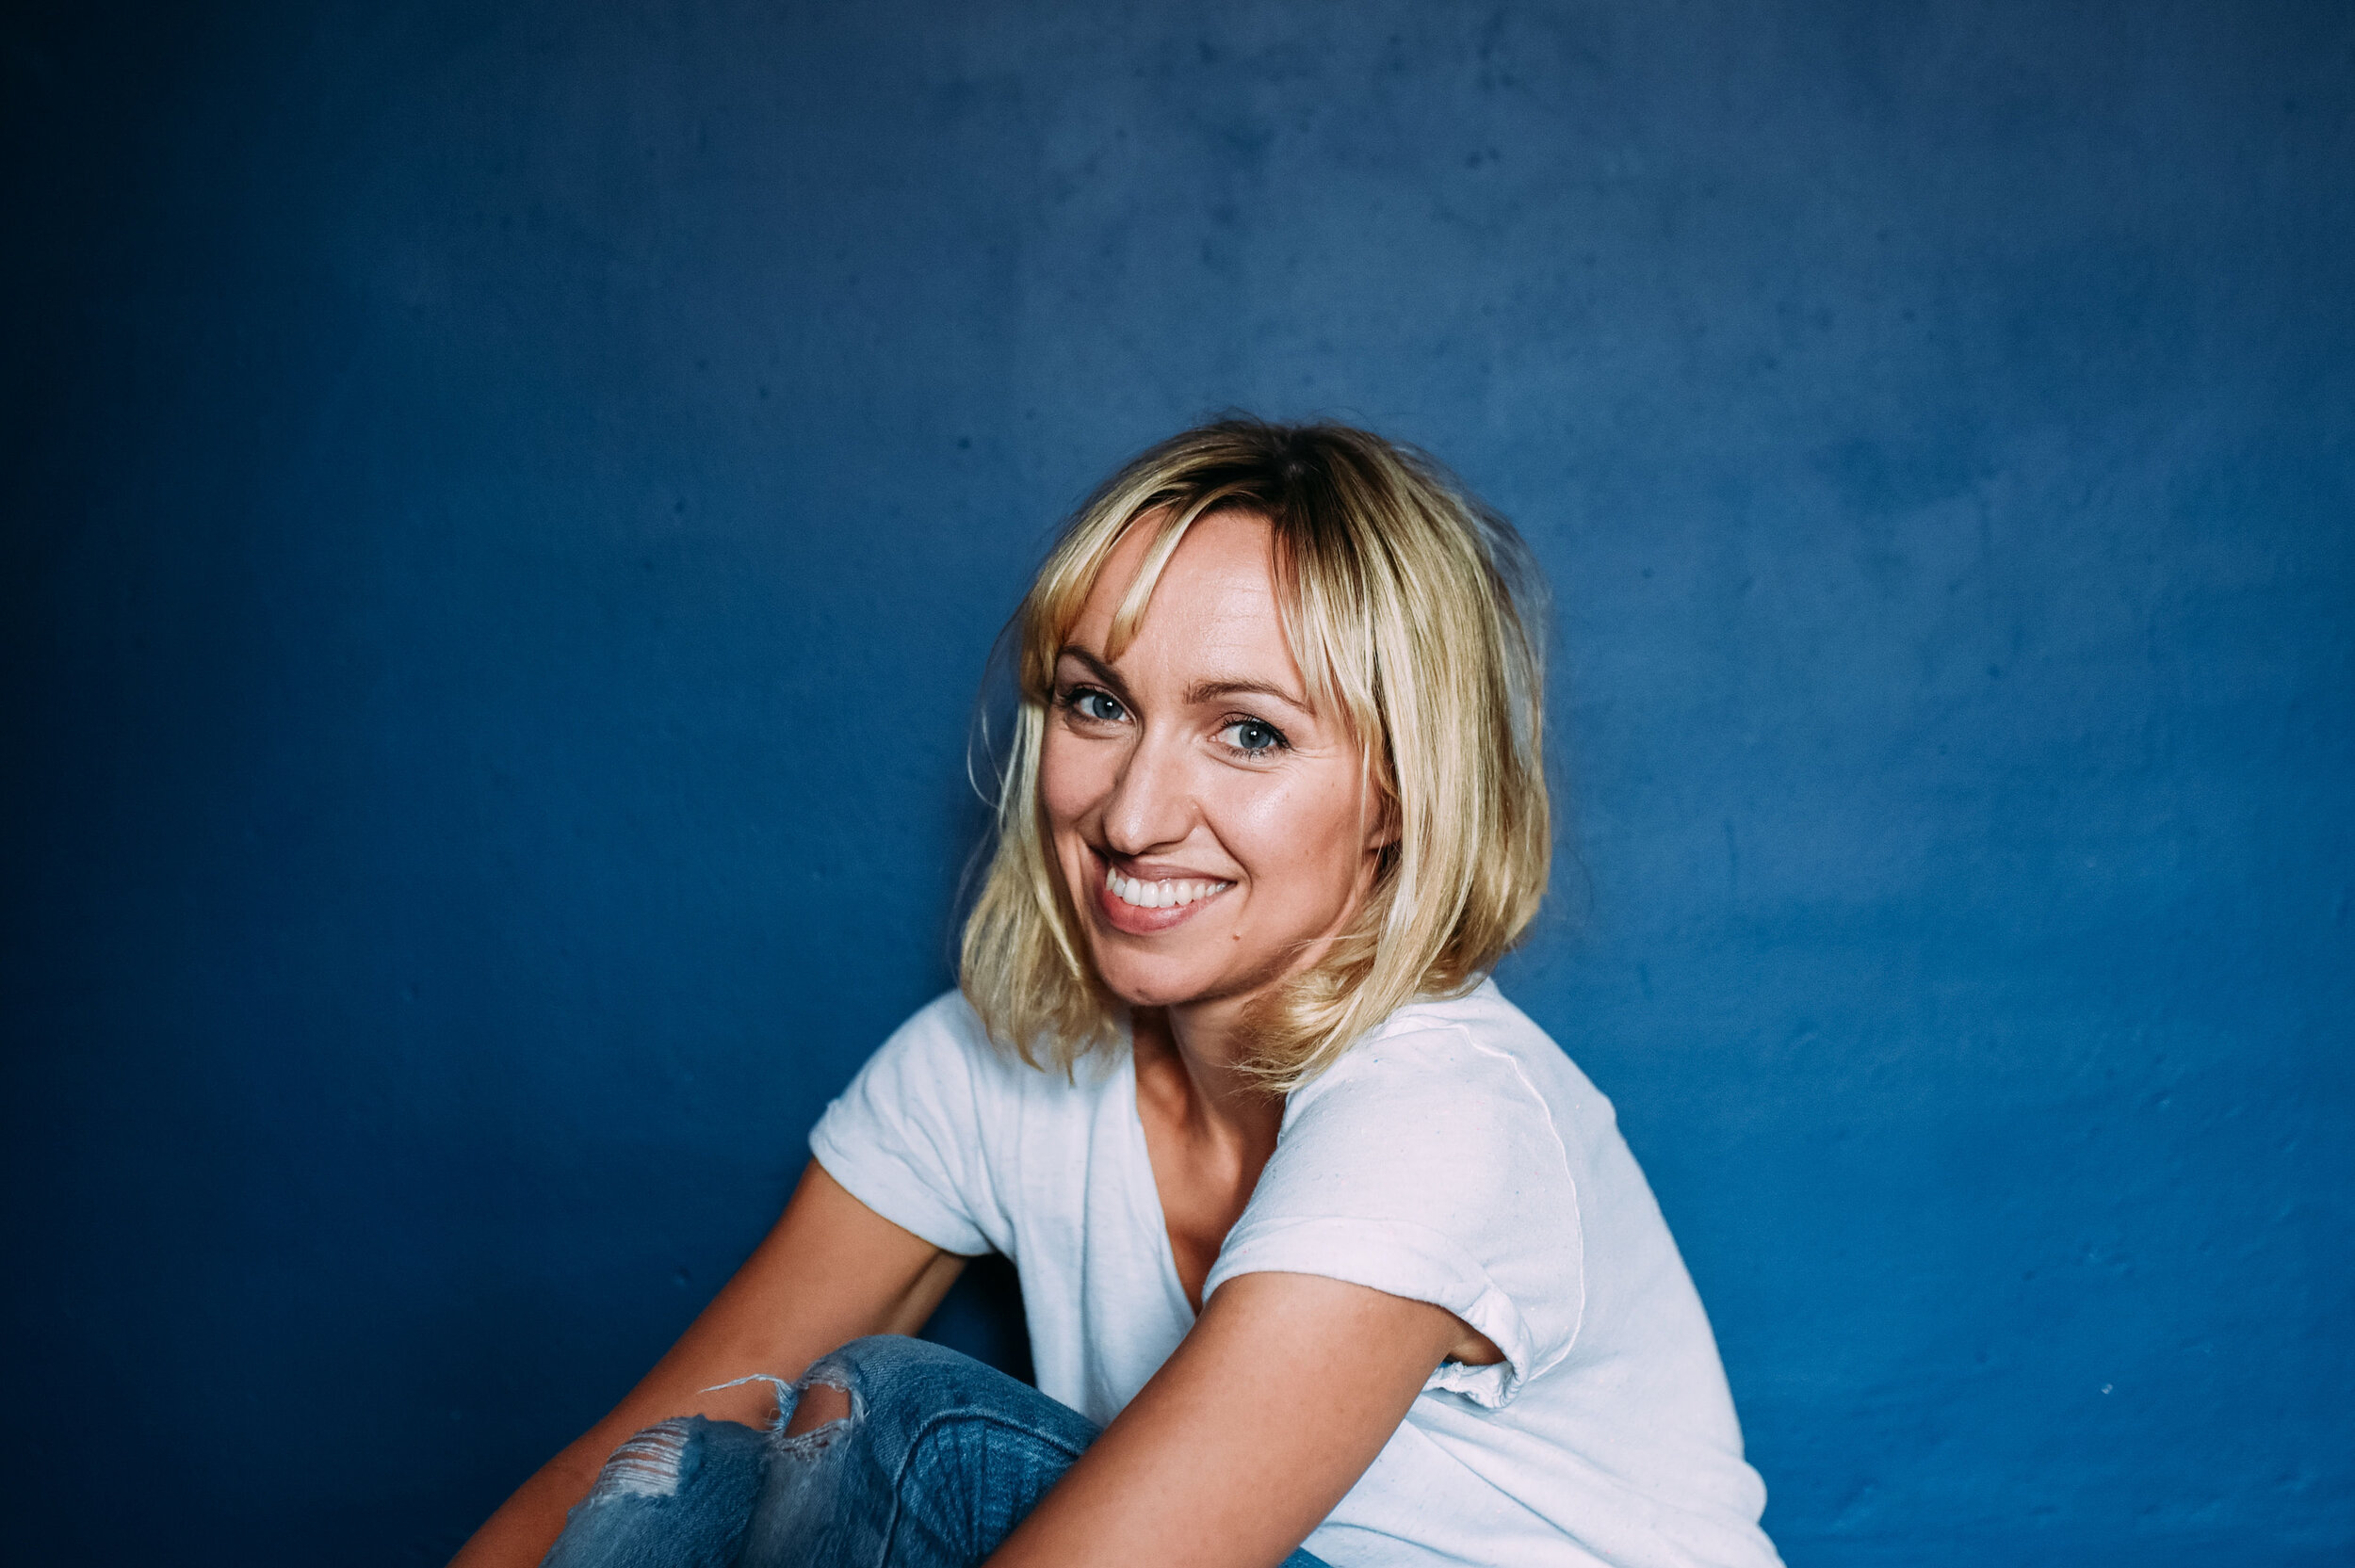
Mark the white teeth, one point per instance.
(1160, 895)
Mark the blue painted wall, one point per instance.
(505, 506)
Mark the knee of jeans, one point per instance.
(816, 1404)
(825, 1398)
(872, 1368)
(880, 1371)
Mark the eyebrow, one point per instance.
(1211, 692)
(1096, 667)
(1197, 694)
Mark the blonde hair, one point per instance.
(1406, 605)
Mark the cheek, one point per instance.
(1071, 780)
(1303, 834)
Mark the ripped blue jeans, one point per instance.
(937, 1461)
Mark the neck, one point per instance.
(1202, 1046)
(1203, 1042)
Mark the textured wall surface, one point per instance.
(505, 505)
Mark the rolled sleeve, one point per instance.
(905, 1137)
(1427, 1167)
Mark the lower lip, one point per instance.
(1126, 916)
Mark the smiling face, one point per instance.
(1211, 827)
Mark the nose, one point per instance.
(1151, 805)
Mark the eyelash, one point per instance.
(1070, 697)
(1257, 753)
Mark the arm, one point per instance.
(1274, 1405)
(830, 1271)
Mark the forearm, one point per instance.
(831, 1271)
(1271, 1409)
(527, 1523)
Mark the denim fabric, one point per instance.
(937, 1461)
(675, 1495)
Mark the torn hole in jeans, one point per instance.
(648, 1464)
(822, 1410)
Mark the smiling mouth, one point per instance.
(1171, 893)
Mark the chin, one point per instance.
(1146, 988)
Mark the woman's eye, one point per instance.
(1254, 736)
(1096, 705)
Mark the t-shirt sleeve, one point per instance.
(905, 1137)
(1427, 1166)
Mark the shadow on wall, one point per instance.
(981, 1315)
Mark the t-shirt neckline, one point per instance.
(1141, 1157)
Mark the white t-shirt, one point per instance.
(1454, 1156)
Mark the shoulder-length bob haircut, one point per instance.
(1413, 613)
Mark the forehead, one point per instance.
(1214, 600)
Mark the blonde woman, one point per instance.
(1327, 1250)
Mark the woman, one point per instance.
(1332, 1244)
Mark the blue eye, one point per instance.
(1090, 704)
(1254, 736)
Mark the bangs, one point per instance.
(1320, 604)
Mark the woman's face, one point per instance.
(1207, 821)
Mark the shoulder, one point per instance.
(1482, 1018)
(1461, 1071)
(911, 1137)
(946, 1023)
(942, 1066)
(1448, 1112)
(1428, 1163)
(939, 1066)
(946, 1036)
